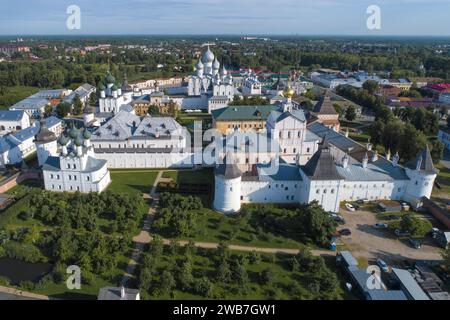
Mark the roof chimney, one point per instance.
(345, 161)
(365, 161)
(395, 159)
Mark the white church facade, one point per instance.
(69, 163)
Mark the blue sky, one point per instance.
(302, 17)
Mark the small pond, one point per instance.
(17, 271)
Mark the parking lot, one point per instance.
(370, 243)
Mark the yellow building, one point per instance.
(227, 120)
(158, 99)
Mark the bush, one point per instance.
(24, 252)
(415, 226)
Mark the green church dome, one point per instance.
(78, 142)
(73, 133)
(110, 78)
(63, 140)
(86, 135)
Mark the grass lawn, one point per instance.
(443, 179)
(442, 196)
(132, 181)
(361, 138)
(187, 119)
(204, 176)
(215, 227)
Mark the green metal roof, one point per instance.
(255, 113)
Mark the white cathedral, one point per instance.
(111, 96)
(211, 82)
(316, 163)
(69, 163)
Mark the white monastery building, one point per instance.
(73, 165)
(130, 141)
(340, 170)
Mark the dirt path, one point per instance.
(7, 293)
(143, 237)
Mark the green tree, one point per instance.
(371, 86)
(350, 113)
(204, 287)
(437, 151)
(156, 247)
(223, 272)
(63, 109)
(167, 282)
(267, 276)
(314, 222)
(77, 105)
(185, 276)
(446, 259)
(415, 226)
(153, 110)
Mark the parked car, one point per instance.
(434, 232)
(399, 233)
(383, 265)
(338, 218)
(380, 225)
(393, 218)
(416, 244)
(350, 207)
(345, 232)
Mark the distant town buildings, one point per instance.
(444, 137)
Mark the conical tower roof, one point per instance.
(44, 135)
(321, 166)
(228, 169)
(324, 106)
(426, 162)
